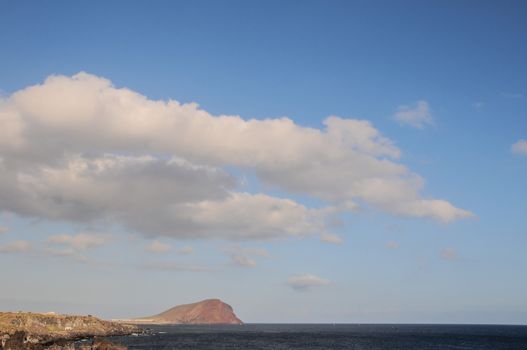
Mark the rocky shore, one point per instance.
(34, 331)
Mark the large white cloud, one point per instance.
(79, 149)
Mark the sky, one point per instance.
(304, 161)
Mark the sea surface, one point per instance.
(328, 336)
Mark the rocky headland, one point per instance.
(210, 311)
(33, 331)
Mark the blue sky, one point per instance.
(401, 259)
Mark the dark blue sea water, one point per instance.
(327, 336)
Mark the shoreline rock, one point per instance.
(32, 331)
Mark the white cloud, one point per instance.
(306, 282)
(392, 245)
(170, 198)
(19, 246)
(448, 254)
(417, 115)
(331, 238)
(246, 216)
(520, 147)
(81, 241)
(4, 229)
(78, 149)
(158, 247)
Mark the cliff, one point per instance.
(34, 331)
(210, 311)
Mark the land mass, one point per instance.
(210, 311)
(33, 331)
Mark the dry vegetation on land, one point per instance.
(33, 330)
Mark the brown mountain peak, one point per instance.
(209, 311)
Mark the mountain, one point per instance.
(210, 311)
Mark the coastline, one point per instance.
(35, 331)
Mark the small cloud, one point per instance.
(240, 256)
(478, 105)
(417, 115)
(158, 247)
(65, 253)
(242, 260)
(185, 250)
(448, 254)
(392, 245)
(19, 246)
(306, 281)
(520, 147)
(4, 229)
(513, 95)
(331, 238)
(71, 246)
(81, 241)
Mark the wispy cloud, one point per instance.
(242, 260)
(244, 257)
(448, 254)
(73, 246)
(175, 266)
(331, 238)
(478, 105)
(392, 245)
(417, 115)
(306, 282)
(81, 241)
(158, 247)
(520, 147)
(185, 250)
(18, 246)
(513, 95)
(38, 251)
(64, 253)
(4, 229)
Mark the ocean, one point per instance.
(328, 336)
